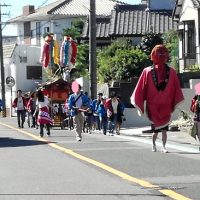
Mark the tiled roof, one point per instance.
(102, 28)
(54, 81)
(132, 21)
(8, 50)
(82, 7)
(40, 13)
(68, 7)
(139, 22)
(196, 3)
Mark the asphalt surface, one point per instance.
(175, 139)
(180, 171)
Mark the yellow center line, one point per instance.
(146, 184)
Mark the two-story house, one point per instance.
(120, 21)
(55, 17)
(187, 14)
(21, 60)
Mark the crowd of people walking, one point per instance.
(82, 114)
(157, 93)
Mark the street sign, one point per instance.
(10, 81)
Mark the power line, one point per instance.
(43, 3)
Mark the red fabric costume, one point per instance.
(44, 117)
(74, 52)
(159, 103)
(14, 104)
(45, 53)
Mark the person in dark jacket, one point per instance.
(31, 106)
(195, 108)
(95, 104)
(114, 113)
(20, 104)
(103, 115)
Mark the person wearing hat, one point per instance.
(158, 87)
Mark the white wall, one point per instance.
(55, 26)
(58, 26)
(17, 70)
(186, 15)
(133, 120)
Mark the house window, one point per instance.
(38, 33)
(46, 29)
(22, 59)
(27, 29)
(190, 45)
(33, 33)
(34, 72)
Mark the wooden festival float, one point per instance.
(58, 92)
(62, 63)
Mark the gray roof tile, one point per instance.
(102, 28)
(40, 13)
(82, 7)
(133, 20)
(61, 8)
(196, 3)
(8, 50)
(138, 22)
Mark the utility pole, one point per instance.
(2, 67)
(92, 49)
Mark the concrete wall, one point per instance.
(133, 120)
(17, 69)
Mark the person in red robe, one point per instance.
(158, 87)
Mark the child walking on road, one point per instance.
(42, 105)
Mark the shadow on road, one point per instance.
(12, 142)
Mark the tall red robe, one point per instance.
(45, 55)
(159, 104)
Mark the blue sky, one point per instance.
(14, 9)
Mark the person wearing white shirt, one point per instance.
(20, 104)
(42, 105)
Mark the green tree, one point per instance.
(82, 60)
(120, 61)
(75, 30)
(149, 41)
(170, 40)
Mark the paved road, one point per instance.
(99, 167)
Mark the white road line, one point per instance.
(173, 145)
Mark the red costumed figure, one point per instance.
(68, 52)
(159, 87)
(45, 52)
(74, 52)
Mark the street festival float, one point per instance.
(61, 64)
